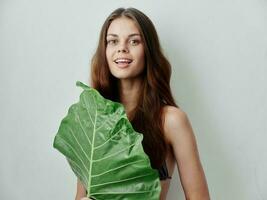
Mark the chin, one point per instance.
(127, 73)
(121, 76)
(120, 73)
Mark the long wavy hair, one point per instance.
(147, 118)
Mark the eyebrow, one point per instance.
(131, 35)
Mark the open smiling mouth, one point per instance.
(123, 62)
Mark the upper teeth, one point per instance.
(123, 60)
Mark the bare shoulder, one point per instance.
(174, 116)
(179, 134)
(177, 126)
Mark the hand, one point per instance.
(85, 198)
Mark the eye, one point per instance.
(134, 42)
(112, 42)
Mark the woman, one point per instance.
(129, 67)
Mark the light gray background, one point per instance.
(218, 51)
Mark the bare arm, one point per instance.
(180, 135)
(81, 191)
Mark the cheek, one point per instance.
(140, 63)
(109, 56)
(141, 56)
(107, 53)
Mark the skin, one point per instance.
(124, 40)
(178, 131)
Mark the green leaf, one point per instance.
(104, 151)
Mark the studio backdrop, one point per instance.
(218, 53)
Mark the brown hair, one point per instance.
(155, 92)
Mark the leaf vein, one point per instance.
(79, 144)
(128, 192)
(84, 130)
(74, 151)
(130, 163)
(108, 139)
(123, 180)
(111, 155)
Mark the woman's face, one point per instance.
(125, 50)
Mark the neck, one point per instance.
(129, 92)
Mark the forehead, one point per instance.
(123, 26)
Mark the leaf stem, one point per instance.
(92, 154)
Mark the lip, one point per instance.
(123, 58)
(122, 65)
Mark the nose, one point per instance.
(123, 48)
